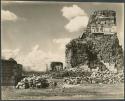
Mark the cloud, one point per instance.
(71, 12)
(35, 60)
(77, 18)
(62, 42)
(8, 53)
(77, 23)
(6, 15)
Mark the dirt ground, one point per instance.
(78, 92)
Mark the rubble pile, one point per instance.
(34, 82)
(99, 77)
(106, 77)
(73, 80)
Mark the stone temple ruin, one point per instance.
(11, 72)
(98, 46)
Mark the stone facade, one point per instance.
(97, 46)
(76, 52)
(102, 22)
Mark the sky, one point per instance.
(35, 33)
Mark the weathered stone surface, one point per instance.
(96, 49)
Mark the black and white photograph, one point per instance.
(62, 50)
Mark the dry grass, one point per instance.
(88, 91)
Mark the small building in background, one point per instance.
(56, 66)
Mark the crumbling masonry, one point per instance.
(99, 44)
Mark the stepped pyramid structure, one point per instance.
(98, 46)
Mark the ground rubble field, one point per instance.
(72, 92)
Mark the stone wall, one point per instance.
(11, 72)
(94, 50)
(76, 52)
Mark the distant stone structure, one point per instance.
(98, 46)
(56, 66)
(11, 72)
